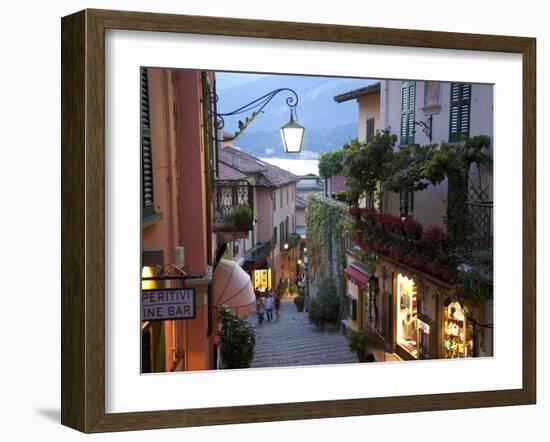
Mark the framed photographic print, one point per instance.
(266, 221)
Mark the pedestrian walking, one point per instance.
(277, 302)
(269, 304)
(260, 309)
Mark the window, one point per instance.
(274, 200)
(286, 229)
(431, 94)
(148, 205)
(293, 187)
(370, 128)
(459, 125)
(406, 203)
(287, 195)
(274, 237)
(408, 91)
(236, 161)
(282, 233)
(281, 198)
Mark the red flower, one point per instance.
(412, 227)
(434, 236)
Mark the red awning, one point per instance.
(355, 276)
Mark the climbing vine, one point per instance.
(326, 224)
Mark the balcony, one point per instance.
(290, 242)
(256, 255)
(480, 215)
(233, 208)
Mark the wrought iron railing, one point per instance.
(257, 252)
(233, 206)
(480, 215)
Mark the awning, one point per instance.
(355, 276)
(233, 288)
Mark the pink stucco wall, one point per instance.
(192, 204)
(178, 156)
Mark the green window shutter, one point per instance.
(408, 98)
(370, 128)
(210, 130)
(148, 205)
(459, 124)
(406, 201)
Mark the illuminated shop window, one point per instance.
(458, 333)
(407, 315)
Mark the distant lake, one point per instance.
(296, 166)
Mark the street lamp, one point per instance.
(292, 133)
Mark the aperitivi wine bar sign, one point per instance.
(165, 304)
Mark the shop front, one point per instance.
(407, 324)
(261, 279)
(458, 332)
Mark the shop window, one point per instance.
(458, 333)
(407, 315)
(424, 338)
(262, 279)
(353, 309)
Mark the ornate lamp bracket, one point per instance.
(256, 106)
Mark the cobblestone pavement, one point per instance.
(293, 341)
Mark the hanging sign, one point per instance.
(167, 304)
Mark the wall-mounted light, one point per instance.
(292, 133)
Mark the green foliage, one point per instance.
(366, 164)
(294, 240)
(325, 224)
(360, 341)
(328, 301)
(331, 163)
(292, 287)
(238, 340)
(240, 215)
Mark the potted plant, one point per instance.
(328, 303)
(237, 340)
(358, 344)
(299, 302)
(241, 215)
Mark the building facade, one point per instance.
(266, 252)
(415, 314)
(175, 254)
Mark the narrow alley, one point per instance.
(293, 341)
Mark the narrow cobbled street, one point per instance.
(293, 341)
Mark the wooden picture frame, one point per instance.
(83, 220)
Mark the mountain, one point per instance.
(328, 124)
